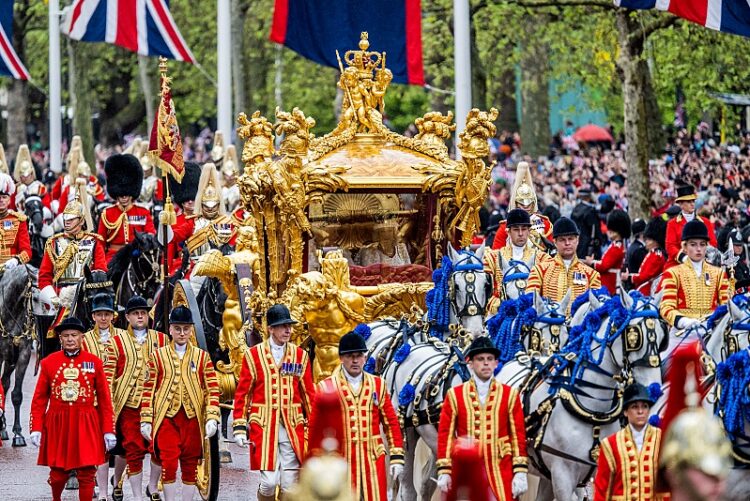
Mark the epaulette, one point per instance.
(658, 252)
(20, 215)
(618, 243)
(94, 235)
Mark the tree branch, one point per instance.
(664, 21)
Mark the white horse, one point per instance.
(575, 399)
(418, 384)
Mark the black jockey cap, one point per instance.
(70, 323)
(482, 344)
(636, 393)
(136, 303)
(103, 302)
(352, 343)
(181, 315)
(695, 229)
(518, 217)
(278, 314)
(563, 227)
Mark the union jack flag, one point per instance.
(10, 63)
(729, 16)
(142, 26)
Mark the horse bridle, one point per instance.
(468, 270)
(555, 320)
(517, 276)
(26, 294)
(731, 343)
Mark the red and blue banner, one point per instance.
(142, 26)
(316, 29)
(10, 63)
(729, 16)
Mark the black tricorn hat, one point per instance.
(136, 303)
(278, 314)
(482, 344)
(619, 221)
(181, 315)
(694, 229)
(103, 302)
(188, 188)
(518, 217)
(685, 193)
(70, 323)
(564, 226)
(124, 176)
(636, 393)
(352, 343)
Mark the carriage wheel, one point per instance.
(183, 296)
(209, 471)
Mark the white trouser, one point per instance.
(287, 468)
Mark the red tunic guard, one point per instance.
(58, 270)
(649, 272)
(118, 227)
(610, 265)
(498, 426)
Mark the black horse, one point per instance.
(16, 338)
(34, 210)
(135, 270)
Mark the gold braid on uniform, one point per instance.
(63, 260)
(114, 227)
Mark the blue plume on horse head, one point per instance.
(733, 376)
(364, 331)
(601, 293)
(504, 328)
(438, 299)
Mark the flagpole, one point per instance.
(55, 102)
(224, 63)
(462, 63)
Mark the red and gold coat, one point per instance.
(118, 227)
(551, 280)
(674, 236)
(14, 237)
(687, 295)
(492, 266)
(650, 270)
(92, 341)
(57, 264)
(623, 473)
(363, 415)
(175, 384)
(610, 264)
(540, 224)
(270, 395)
(126, 366)
(498, 426)
(72, 409)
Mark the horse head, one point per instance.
(549, 331)
(16, 291)
(515, 276)
(34, 210)
(644, 336)
(469, 289)
(728, 329)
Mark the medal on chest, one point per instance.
(579, 278)
(707, 279)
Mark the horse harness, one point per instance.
(467, 269)
(520, 274)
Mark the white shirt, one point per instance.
(638, 436)
(104, 335)
(697, 267)
(517, 252)
(483, 388)
(140, 335)
(180, 349)
(277, 351)
(688, 217)
(567, 263)
(354, 381)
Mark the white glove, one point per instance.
(54, 205)
(240, 439)
(110, 440)
(49, 298)
(11, 263)
(396, 471)
(146, 431)
(520, 485)
(444, 482)
(211, 427)
(687, 322)
(36, 438)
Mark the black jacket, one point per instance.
(586, 217)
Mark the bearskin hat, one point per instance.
(656, 230)
(619, 221)
(188, 188)
(124, 176)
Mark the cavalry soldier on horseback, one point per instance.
(126, 368)
(96, 341)
(15, 247)
(272, 405)
(686, 201)
(74, 156)
(119, 223)
(68, 254)
(491, 413)
(366, 406)
(610, 265)
(520, 248)
(523, 196)
(553, 278)
(180, 405)
(694, 288)
(71, 413)
(28, 185)
(629, 459)
(85, 177)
